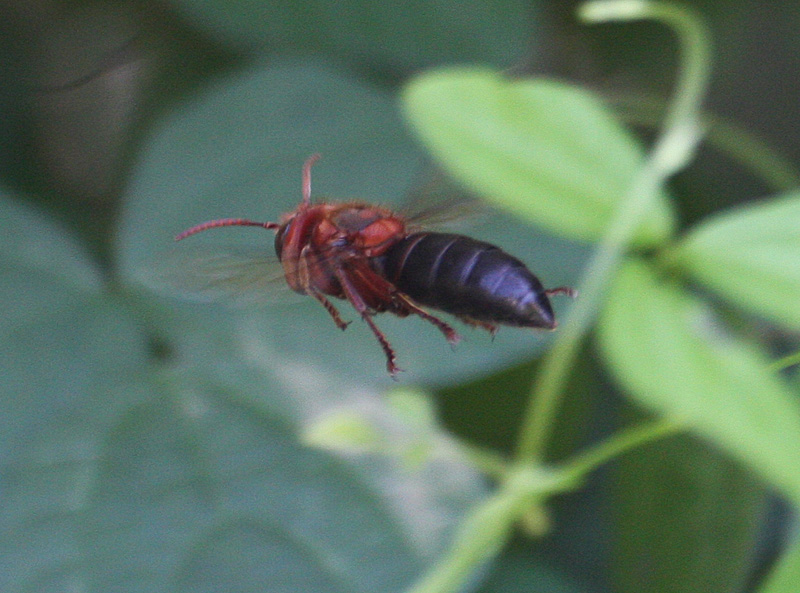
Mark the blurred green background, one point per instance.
(151, 444)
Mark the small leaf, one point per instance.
(675, 358)
(543, 150)
(414, 406)
(345, 431)
(751, 256)
(402, 427)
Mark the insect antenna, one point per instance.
(307, 177)
(213, 224)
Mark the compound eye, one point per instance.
(279, 237)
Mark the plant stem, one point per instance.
(486, 529)
(738, 143)
(619, 444)
(785, 362)
(680, 134)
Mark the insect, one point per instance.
(375, 259)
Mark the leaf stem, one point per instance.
(619, 444)
(486, 529)
(680, 134)
(738, 143)
(785, 362)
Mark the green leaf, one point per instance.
(674, 357)
(196, 480)
(750, 255)
(58, 334)
(519, 569)
(680, 507)
(544, 150)
(346, 431)
(403, 428)
(237, 150)
(119, 476)
(36, 242)
(785, 573)
(64, 349)
(199, 482)
(388, 35)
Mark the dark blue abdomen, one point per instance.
(467, 278)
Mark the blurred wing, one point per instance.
(438, 203)
(233, 276)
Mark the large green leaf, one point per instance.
(545, 150)
(53, 321)
(63, 349)
(198, 481)
(212, 488)
(785, 574)
(61, 377)
(237, 151)
(682, 508)
(676, 358)
(383, 34)
(33, 241)
(519, 570)
(750, 255)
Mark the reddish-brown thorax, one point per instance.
(317, 239)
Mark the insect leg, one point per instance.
(489, 327)
(352, 295)
(452, 336)
(565, 290)
(303, 276)
(341, 324)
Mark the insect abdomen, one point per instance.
(467, 278)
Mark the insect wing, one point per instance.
(233, 276)
(438, 204)
(238, 276)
